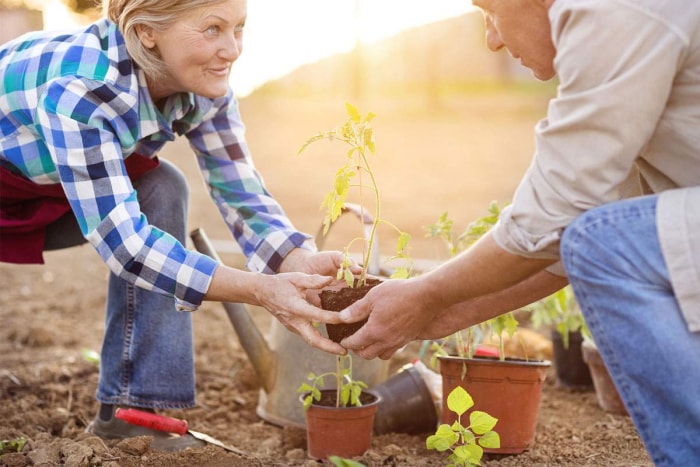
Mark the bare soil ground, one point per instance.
(456, 157)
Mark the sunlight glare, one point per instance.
(281, 35)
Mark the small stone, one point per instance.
(135, 446)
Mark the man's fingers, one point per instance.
(356, 340)
(354, 313)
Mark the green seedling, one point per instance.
(357, 133)
(561, 311)
(464, 443)
(91, 356)
(12, 445)
(343, 462)
(466, 340)
(348, 390)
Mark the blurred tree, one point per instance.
(26, 4)
(83, 6)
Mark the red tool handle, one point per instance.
(152, 421)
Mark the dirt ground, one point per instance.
(455, 157)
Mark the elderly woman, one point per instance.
(83, 115)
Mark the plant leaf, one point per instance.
(443, 439)
(353, 112)
(490, 440)
(481, 422)
(459, 400)
(470, 453)
(342, 462)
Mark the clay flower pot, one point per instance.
(605, 390)
(339, 431)
(509, 390)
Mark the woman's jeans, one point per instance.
(147, 354)
(614, 262)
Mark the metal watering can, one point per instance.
(283, 360)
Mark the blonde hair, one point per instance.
(155, 14)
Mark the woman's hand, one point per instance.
(284, 296)
(325, 263)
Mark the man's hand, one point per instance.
(398, 311)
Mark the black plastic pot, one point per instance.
(571, 370)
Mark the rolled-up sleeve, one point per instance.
(614, 84)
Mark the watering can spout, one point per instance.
(254, 344)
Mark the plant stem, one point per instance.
(339, 378)
(376, 218)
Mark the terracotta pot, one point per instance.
(340, 431)
(572, 372)
(509, 390)
(605, 390)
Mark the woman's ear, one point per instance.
(146, 35)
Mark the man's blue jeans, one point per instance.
(147, 354)
(614, 262)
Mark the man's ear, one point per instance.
(146, 35)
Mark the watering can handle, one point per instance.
(252, 341)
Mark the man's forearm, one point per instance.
(477, 310)
(482, 270)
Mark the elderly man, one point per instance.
(627, 109)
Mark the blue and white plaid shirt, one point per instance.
(74, 106)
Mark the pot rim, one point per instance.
(509, 361)
(376, 401)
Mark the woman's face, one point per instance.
(523, 28)
(198, 50)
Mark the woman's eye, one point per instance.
(212, 30)
(239, 27)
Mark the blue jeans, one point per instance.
(147, 354)
(615, 265)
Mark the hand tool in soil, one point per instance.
(168, 425)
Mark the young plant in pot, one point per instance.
(561, 314)
(508, 388)
(339, 421)
(326, 409)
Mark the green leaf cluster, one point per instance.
(348, 390)
(560, 310)
(358, 134)
(464, 342)
(465, 443)
(12, 445)
(338, 461)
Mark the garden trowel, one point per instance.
(168, 425)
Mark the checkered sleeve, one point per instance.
(257, 221)
(87, 124)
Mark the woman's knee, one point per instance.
(165, 185)
(163, 197)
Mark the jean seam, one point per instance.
(128, 338)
